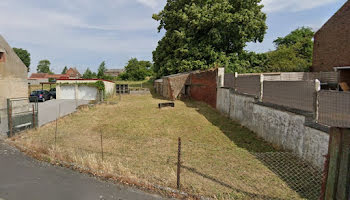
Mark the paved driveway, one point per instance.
(49, 110)
(24, 178)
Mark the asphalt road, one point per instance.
(49, 110)
(22, 177)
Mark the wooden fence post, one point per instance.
(338, 176)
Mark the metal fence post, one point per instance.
(33, 116)
(178, 164)
(9, 110)
(101, 145)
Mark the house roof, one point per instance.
(114, 70)
(73, 72)
(344, 8)
(46, 76)
(7, 49)
(38, 76)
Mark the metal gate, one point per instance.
(21, 115)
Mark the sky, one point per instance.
(83, 33)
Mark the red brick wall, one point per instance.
(203, 87)
(332, 42)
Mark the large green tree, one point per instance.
(88, 74)
(64, 71)
(24, 55)
(101, 70)
(203, 33)
(293, 52)
(137, 70)
(44, 66)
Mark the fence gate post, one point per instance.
(9, 116)
(338, 180)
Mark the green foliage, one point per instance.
(64, 71)
(201, 34)
(44, 67)
(88, 74)
(100, 85)
(137, 70)
(247, 62)
(286, 59)
(24, 55)
(293, 53)
(101, 70)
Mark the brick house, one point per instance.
(13, 80)
(332, 45)
(73, 73)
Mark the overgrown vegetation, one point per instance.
(137, 70)
(140, 145)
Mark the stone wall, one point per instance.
(284, 129)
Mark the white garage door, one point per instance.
(87, 93)
(67, 92)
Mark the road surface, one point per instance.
(22, 177)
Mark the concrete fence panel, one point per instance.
(334, 108)
(229, 81)
(250, 85)
(299, 95)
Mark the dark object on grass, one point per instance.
(170, 104)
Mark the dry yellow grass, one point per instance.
(140, 143)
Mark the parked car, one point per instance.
(53, 92)
(40, 95)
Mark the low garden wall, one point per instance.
(284, 129)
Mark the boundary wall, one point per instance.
(285, 129)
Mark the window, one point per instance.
(2, 57)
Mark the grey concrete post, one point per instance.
(221, 77)
(261, 87)
(317, 94)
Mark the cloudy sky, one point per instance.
(83, 33)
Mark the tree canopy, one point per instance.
(293, 53)
(203, 33)
(64, 71)
(101, 70)
(137, 70)
(44, 66)
(88, 74)
(24, 55)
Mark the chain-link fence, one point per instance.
(334, 108)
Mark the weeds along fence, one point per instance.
(215, 171)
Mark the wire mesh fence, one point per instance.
(21, 115)
(334, 108)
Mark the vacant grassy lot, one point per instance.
(140, 143)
